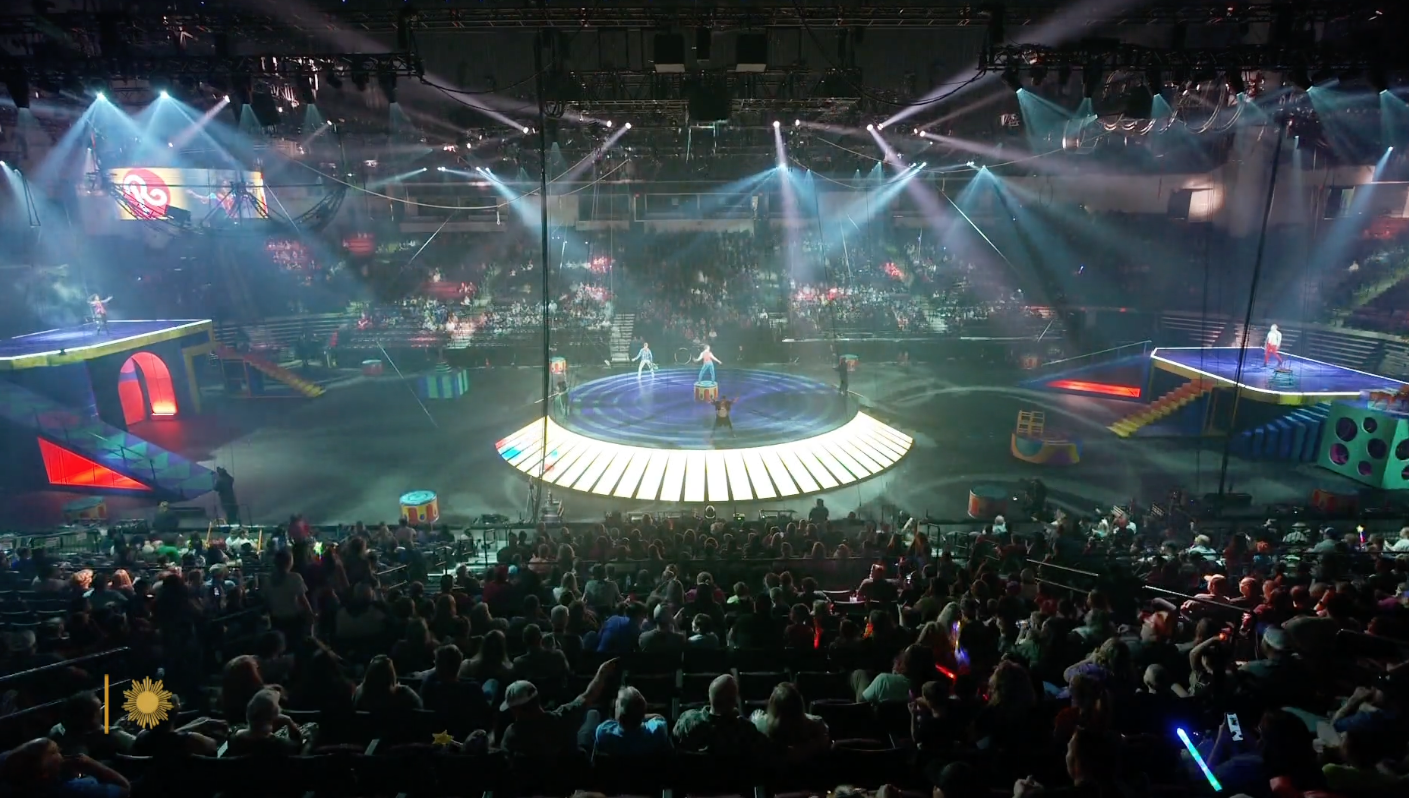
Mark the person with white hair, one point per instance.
(1271, 347)
(1401, 545)
(632, 731)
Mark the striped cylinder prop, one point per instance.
(444, 383)
(420, 507)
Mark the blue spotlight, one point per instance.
(164, 95)
(100, 97)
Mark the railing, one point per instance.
(105, 445)
(9, 681)
(1113, 353)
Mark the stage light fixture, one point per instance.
(226, 98)
(870, 128)
(163, 94)
(797, 123)
(627, 126)
(18, 84)
(1013, 79)
(609, 123)
(777, 124)
(1300, 77)
(1234, 79)
(100, 97)
(386, 81)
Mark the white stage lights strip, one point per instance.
(861, 448)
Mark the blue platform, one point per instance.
(1310, 381)
(660, 411)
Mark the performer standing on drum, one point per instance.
(1271, 346)
(708, 360)
(100, 311)
(648, 360)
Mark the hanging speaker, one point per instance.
(669, 52)
(752, 52)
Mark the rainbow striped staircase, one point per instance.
(272, 370)
(1162, 407)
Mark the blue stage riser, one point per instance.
(1294, 437)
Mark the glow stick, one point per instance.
(1194, 752)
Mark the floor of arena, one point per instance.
(349, 455)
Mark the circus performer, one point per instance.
(708, 361)
(648, 360)
(1272, 346)
(99, 308)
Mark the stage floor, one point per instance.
(1310, 381)
(648, 439)
(349, 454)
(85, 342)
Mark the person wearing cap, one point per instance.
(1330, 542)
(543, 736)
(1279, 677)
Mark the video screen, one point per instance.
(162, 193)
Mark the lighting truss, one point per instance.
(1249, 57)
(726, 14)
(175, 67)
(773, 85)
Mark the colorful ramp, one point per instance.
(1295, 437)
(85, 452)
(272, 370)
(1163, 407)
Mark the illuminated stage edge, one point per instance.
(858, 450)
(1314, 381)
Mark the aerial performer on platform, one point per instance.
(1271, 347)
(708, 360)
(100, 311)
(648, 360)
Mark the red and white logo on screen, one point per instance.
(147, 195)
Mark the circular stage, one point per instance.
(648, 439)
(661, 412)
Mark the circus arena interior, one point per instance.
(727, 397)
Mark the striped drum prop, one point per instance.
(420, 507)
(443, 383)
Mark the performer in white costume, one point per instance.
(708, 360)
(648, 360)
(1271, 347)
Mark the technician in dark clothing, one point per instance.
(225, 489)
(843, 378)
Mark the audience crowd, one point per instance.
(701, 654)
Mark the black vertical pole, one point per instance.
(1252, 298)
(542, 41)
